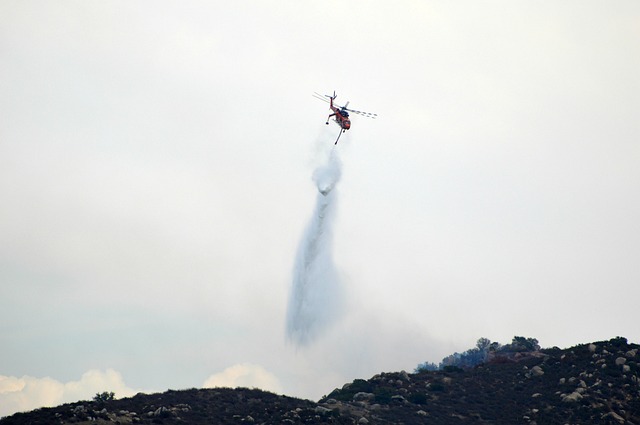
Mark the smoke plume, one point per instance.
(315, 300)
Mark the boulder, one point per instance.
(322, 410)
(572, 398)
(537, 371)
(615, 416)
(362, 396)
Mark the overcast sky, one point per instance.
(156, 163)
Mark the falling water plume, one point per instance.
(315, 299)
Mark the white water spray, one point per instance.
(316, 297)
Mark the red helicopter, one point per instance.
(341, 113)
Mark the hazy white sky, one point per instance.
(156, 164)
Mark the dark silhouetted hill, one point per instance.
(597, 383)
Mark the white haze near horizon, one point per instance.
(156, 163)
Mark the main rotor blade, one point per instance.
(324, 99)
(320, 97)
(365, 114)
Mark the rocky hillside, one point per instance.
(597, 383)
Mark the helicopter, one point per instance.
(341, 113)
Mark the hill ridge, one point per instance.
(592, 383)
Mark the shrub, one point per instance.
(426, 367)
(103, 397)
(360, 385)
(436, 386)
(452, 369)
(418, 398)
(383, 396)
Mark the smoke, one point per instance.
(27, 392)
(244, 375)
(316, 297)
